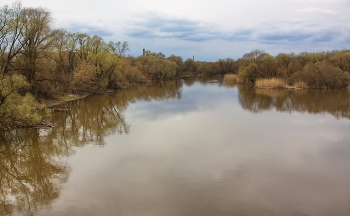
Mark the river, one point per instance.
(190, 147)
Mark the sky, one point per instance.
(206, 29)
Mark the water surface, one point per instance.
(184, 148)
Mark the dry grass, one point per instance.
(231, 78)
(272, 83)
(300, 85)
(277, 83)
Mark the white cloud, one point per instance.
(208, 29)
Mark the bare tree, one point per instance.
(11, 29)
(37, 37)
(118, 48)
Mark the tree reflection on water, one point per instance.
(32, 161)
(31, 171)
(314, 101)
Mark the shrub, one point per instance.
(249, 73)
(230, 78)
(300, 84)
(322, 75)
(85, 75)
(18, 109)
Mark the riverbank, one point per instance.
(59, 99)
(277, 83)
(64, 98)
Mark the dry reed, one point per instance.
(273, 83)
(231, 78)
(300, 85)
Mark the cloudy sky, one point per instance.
(209, 30)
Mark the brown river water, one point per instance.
(184, 148)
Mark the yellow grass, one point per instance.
(277, 83)
(230, 78)
(301, 85)
(273, 83)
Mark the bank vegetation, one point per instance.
(40, 63)
(323, 70)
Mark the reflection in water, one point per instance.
(334, 102)
(190, 150)
(204, 80)
(31, 172)
(32, 167)
(98, 116)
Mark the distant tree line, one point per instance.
(317, 70)
(37, 61)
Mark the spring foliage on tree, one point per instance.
(18, 108)
(39, 62)
(317, 70)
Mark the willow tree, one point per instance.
(37, 37)
(11, 42)
(227, 65)
(119, 49)
(178, 60)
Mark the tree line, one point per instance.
(317, 70)
(40, 62)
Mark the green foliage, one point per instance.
(190, 66)
(266, 66)
(160, 67)
(208, 68)
(17, 109)
(178, 60)
(227, 66)
(317, 70)
(163, 68)
(57, 61)
(322, 75)
(249, 73)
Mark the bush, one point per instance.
(85, 76)
(230, 78)
(322, 75)
(249, 73)
(17, 109)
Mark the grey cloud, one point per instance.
(155, 26)
(311, 36)
(289, 36)
(244, 32)
(326, 37)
